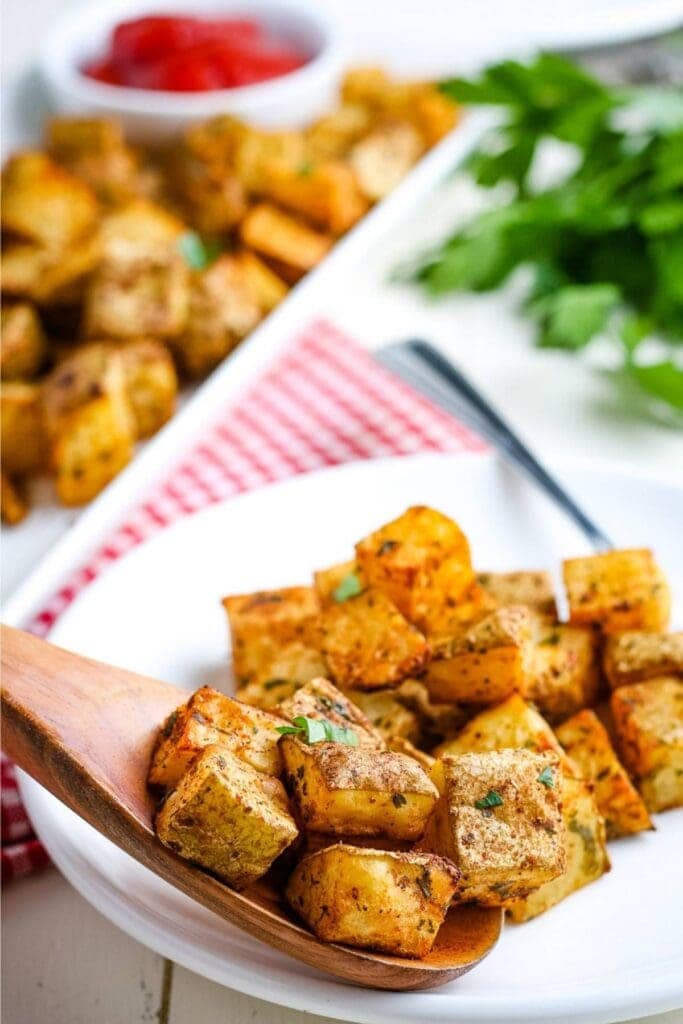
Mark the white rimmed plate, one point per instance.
(612, 951)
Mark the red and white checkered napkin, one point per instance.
(324, 402)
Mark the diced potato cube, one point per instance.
(134, 298)
(585, 739)
(634, 657)
(327, 581)
(320, 699)
(444, 620)
(388, 714)
(255, 150)
(325, 193)
(13, 507)
(434, 114)
(533, 588)
(618, 591)
(23, 342)
(499, 820)
(24, 444)
(401, 745)
(44, 203)
(140, 231)
(353, 791)
(266, 288)
(437, 720)
(214, 200)
(374, 899)
(381, 160)
(648, 721)
(564, 673)
(368, 85)
(227, 817)
(418, 560)
(487, 662)
(95, 151)
(209, 718)
(278, 236)
(368, 644)
(50, 277)
(333, 134)
(586, 855)
(151, 383)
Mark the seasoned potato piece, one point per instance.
(24, 443)
(50, 277)
(381, 160)
(256, 150)
(131, 298)
(585, 739)
(263, 623)
(333, 135)
(320, 699)
(634, 657)
(291, 666)
(94, 150)
(499, 820)
(23, 264)
(227, 817)
(434, 114)
(278, 236)
(13, 507)
(353, 791)
(266, 288)
(367, 643)
(648, 720)
(401, 745)
(564, 674)
(325, 193)
(445, 619)
(151, 383)
(213, 198)
(487, 662)
(89, 422)
(44, 203)
(374, 899)
(437, 720)
(586, 855)
(23, 342)
(533, 588)
(618, 591)
(389, 716)
(418, 560)
(211, 718)
(221, 311)
(141, 230)
(327, 581)
(215, 141)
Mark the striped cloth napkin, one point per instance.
(323, 402)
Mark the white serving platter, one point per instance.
(611, 952)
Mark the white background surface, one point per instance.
(62, 962)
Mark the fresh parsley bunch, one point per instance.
(605, 244)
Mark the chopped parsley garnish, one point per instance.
(350, 586)
(546, 777)
(398, 799)
(305, 169)
(424, 881)
(551, 640)
(492, 799)
(318, 730)
(386, 546)
(272, 684)
(197, 252)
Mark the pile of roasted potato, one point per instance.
(407, 732)
(123, 267)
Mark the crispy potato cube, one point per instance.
(23, 264)
(586, 857)
(211, 718)
(50, 277)
(151, 383)
(290, 667)
(320, 699)
(138, 231)
(389, 716)
(585, 739)
(278, 236)
(263, 623)
(369, 86)
(221, 311)
(23, 342)
(418, 560)
(533, 588)
(44, 203)
(444, 620)
(326, 581)
(381, 160)
(134, 298)
(333, 134)
(499, 820)
(213, 198)
(648, 721)
(437, 720)
(618, 591)
(255, 151)
(634, 657)
(24, 443)
(368, 644)
(434, 114)
(325, 193)
(354, 791)
(13, 507)
(564, 673)
(266, 288)
(401, 745)
(89, 423)
(487, 662)
(94, 150)
(227, 817)
(373, 899)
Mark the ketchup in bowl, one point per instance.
(187, 54)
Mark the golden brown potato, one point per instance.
(486, 663)
(585, 852)
(585, 739)
(533, 588)
(227, 817)
(401, 745)
(89, 423)
(23, 342)
(151, 383)
(264, 624)
(255, 150)
(388, 714)
(290, 667)
(44, 203)
(333, 134)
(24, 443)
(648, 721)
(368, 644)
(374, 899)
(279, 237)
(128, 299)
(419, 560)
(138, 231)
(444, 620)
(433, 113)
(326, 581)
(213, 198)
(499, 820)
(353, 791)
(50, 277)
(320, 699)
(437, 721)
(382, 159)
(211, 718)
(635, 656)
(564, 672)
(266, 288)
(13, 506)
(94, 150)
(618, 591)
(325, 192)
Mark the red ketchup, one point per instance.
(185, 54)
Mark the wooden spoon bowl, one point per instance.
(84, 731)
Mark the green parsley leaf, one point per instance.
(350, 586)
(576, 313)
(661, 380)
(305, 169)
(547, 778)
(398, 799)
(492, 799)
(272, 684)
(198, 253)
(317, 730)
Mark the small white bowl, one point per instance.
(149, 115)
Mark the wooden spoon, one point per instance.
(85, 731)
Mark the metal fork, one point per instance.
(426, 369)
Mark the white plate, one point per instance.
(612, 951)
